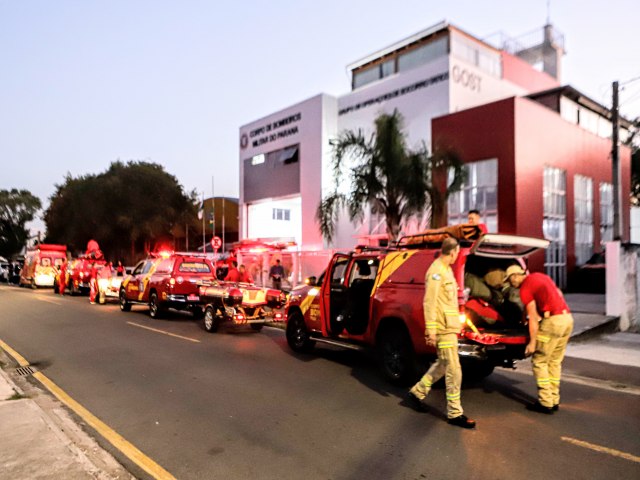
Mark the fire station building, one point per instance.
(537, 153)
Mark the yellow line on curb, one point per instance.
(163, 332)
(601, 449)
(17, 357)
(117, 440)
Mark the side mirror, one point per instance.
(312, 281)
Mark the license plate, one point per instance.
(193, 297)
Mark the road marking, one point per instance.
(48, 300)
(601, 449)
(18, 358)
(117, 440)
(163, 332)
(586, 381)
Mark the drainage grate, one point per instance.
(24, 371)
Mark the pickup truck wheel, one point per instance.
(396, 356)
(125, 306)
(476, 371)
(155, 310)
(297, 334)
(211, 320)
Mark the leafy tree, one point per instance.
(127, 209)
(388, 177)
(17, 207)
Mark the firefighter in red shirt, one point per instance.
(93, 283)
(233, 275)
(62, 278)
(550, 325)
(244, 276)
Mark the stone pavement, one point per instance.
(40, 440)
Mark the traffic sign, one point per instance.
(216, 243)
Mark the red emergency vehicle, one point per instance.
(372, 298)
(168, 280)
(41, 263)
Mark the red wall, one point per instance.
(521, 73)
(525, 136)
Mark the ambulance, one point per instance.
(41, 264)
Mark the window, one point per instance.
(165, 266)
(471, 52)
(368, 75)
(554, 227)
(480, 192)
(194, 267)
(422, 55)
(583, 211)
(339, 268)
(281, 214)
(606, 212)
(258, 159)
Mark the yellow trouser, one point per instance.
(551, 344)
(448, 365)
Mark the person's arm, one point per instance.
(429, 305)
(534, 322)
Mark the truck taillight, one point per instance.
(278, 317)
(238, 318)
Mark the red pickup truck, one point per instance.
(373, 298)
(168, 280)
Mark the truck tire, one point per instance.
(125, 306)
(211, 321)
(474, 371)
(396, 356)
(298, 335)
(155, 308)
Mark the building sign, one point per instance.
(396, 93)
(467, 79)
(267, 133)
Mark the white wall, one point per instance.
(635, 225)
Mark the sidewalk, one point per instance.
(39, 439)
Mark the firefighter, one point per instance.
(473, 217)
(243, 275)
(550, 325)
(442, 326)
(93, 283)
(62, 278)
(233, 275)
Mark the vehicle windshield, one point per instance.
(194, 267)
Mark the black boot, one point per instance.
(415, 403)
(538, 407)
(462, 421)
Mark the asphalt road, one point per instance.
(238, 405)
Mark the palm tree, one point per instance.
(387, 177)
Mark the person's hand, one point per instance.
(530, 349)
(431, 340)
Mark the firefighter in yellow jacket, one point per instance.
(442, 326)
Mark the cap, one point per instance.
(513, 270)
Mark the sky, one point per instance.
(84, 83)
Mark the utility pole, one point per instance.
(615, 165)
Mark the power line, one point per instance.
(634, 79)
